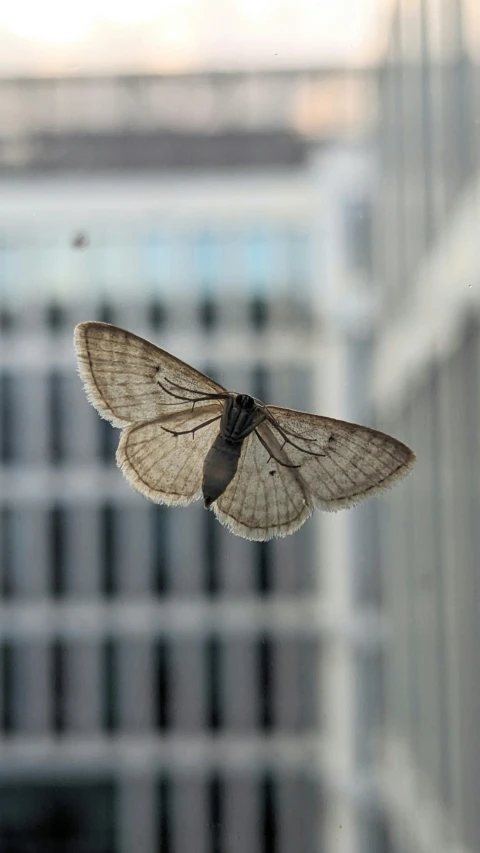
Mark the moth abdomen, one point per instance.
(219, 468)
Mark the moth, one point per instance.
(262, 469)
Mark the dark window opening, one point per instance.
(162, 685)
(263, 558)
(214, 715)
(157, 315)
(106, 313)
(160, 549)
(7, 417)
(109, 696)
(108, 441)
(58, 817)
(6, 552)
(57, 551)
(7, 675)
(6, 320)
(259, 313)
(108, 548)
(58, 683)
(55, 317)
(265, 666)
(212, 579)
(55, 418)
(208, 314)
(216, 817)
(260, 382)
(164, 815)
(269, 818)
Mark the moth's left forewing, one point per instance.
(128, 379)
(352, 462)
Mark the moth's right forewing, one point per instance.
(353, 462)
(121, 373)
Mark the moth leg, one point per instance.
(194, 430)
(272, 455)
(287, 440)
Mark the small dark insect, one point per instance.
(80, 240)
(261, 468)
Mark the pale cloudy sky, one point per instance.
(47, 36)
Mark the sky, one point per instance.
(53, 36)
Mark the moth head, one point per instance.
(245, 402)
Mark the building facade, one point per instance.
(426, 390)
(166, 685)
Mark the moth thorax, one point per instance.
(219, 468)
(240, 417)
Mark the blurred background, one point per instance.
(286, 196)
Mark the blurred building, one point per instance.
(427, 392)
(166, 685)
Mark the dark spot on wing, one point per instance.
(272, 473)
